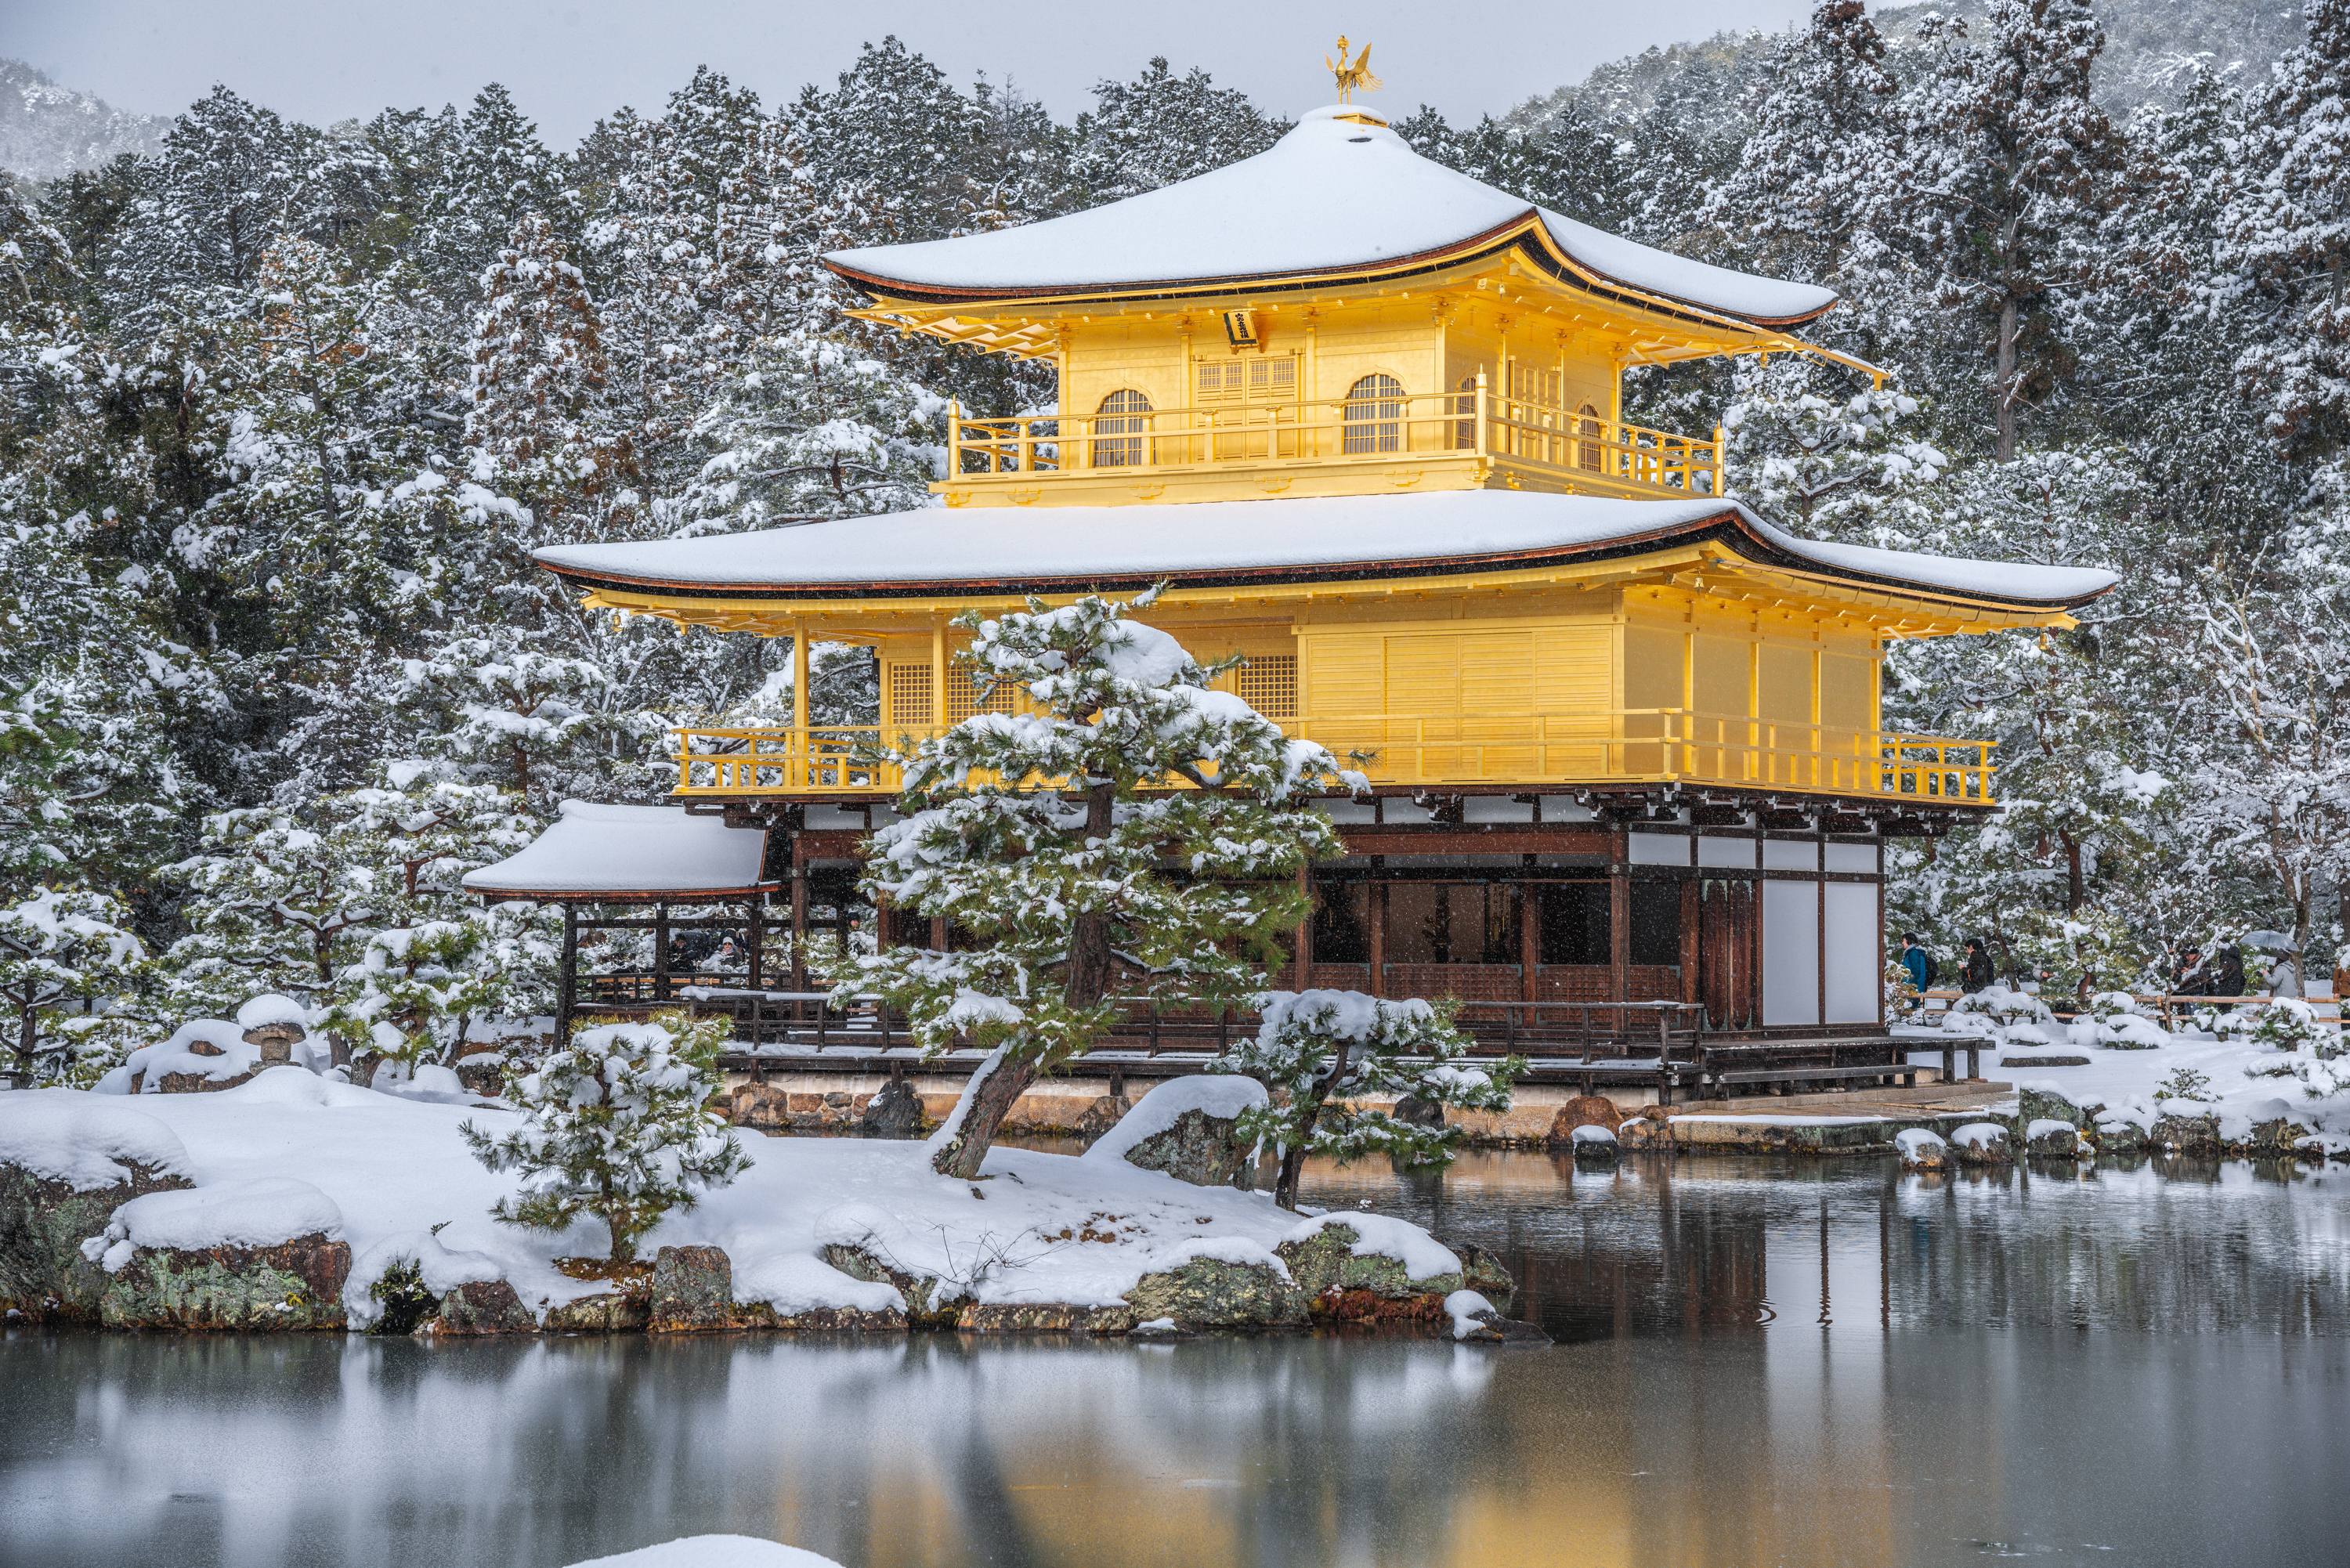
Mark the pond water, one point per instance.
(1761, 1361)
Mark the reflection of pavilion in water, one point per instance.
(1690, 1257)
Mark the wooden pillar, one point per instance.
(798, 775)
(938, 678)
(1303, 959)
(1692, 946)
(753, 950)
(567, 985)
(938, 933)
(799, 913)
(1619, 918)
(661, 952)
(1376, 901)
(1529, 940)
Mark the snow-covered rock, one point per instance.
(265, 1252)
(2050, 1139)
(203, 1053)
(1188, 1128)
(713, 1552)
(66, 1162)
(1982, 1143)
(1922, 1149)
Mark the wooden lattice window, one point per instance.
(1268, 683)
(1119, 425)
(1586, 450)
(964, 698)
(1464, 429)
(1374, 412)
(1249, 378)
(908, 689)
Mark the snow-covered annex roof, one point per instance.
(967, 551)
(1337, 194)
(629, 852)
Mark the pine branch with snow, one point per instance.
(1320, 1053)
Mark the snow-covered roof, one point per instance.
(1334, 194)
(628, 851)
(1334, 539)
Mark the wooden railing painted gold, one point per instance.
(1528, 749)
(1568, 443)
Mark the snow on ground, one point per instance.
(713, 1552)
(1036, 1228)
(2124, 1073)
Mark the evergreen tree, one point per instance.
(60, 950)
(614, 1127)
(812, 428)
(1996, 189)
(1162, 129)
(2289, 226)
(1824, 125)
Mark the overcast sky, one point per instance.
(569, 62)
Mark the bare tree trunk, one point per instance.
(2003, 383)
(1089, 957)
(1087, 982)
(1293, 1158)
(991, 1102)
(2076, 893)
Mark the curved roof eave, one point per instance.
(1556, 254)
(1731, 525)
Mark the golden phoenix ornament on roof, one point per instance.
(1354, 76)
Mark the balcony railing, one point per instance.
(1570, 445)
(1528, 749)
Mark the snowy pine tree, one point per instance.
(614, 1127)
(1030, 832)
(1322, 1053)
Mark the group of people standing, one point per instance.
(2222, 974)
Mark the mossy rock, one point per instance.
(606, 1312)
(2187, 1135)
(484, 1307)
(821, 1320)
(692, 1291)
(295, 1286)
(2040, 1106)
(43, 1222)
(1204, 1151)
(926, 1307)
(1325, 1261)
(1208, 1293)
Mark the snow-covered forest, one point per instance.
(284, 409)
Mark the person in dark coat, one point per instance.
(2228, 971)
(2190, 978)
(1977, 974)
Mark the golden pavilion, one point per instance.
(1363, 415)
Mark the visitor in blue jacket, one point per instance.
(1918, 961)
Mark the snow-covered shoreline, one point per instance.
(390, 1177)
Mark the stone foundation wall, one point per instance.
(1084, 1106)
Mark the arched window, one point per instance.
(1123, 417)
(1586, 454)
(1374, 412)
(1464, 429)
